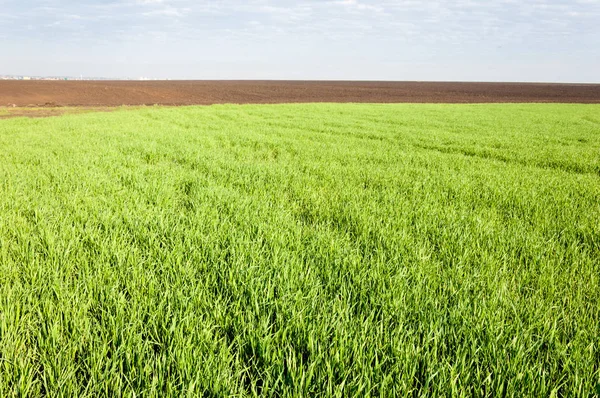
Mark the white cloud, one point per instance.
(356, 5)
(168, 12)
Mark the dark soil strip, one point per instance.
(115, 93)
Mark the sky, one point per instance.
(437, 40)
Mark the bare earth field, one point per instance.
(116, 93)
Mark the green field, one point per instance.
(302, 250)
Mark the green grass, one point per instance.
(302, 250)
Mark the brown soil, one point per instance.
(115, 93)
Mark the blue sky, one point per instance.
(493, 40)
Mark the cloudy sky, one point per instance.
(472, 40)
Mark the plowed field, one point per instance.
(115, 93)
